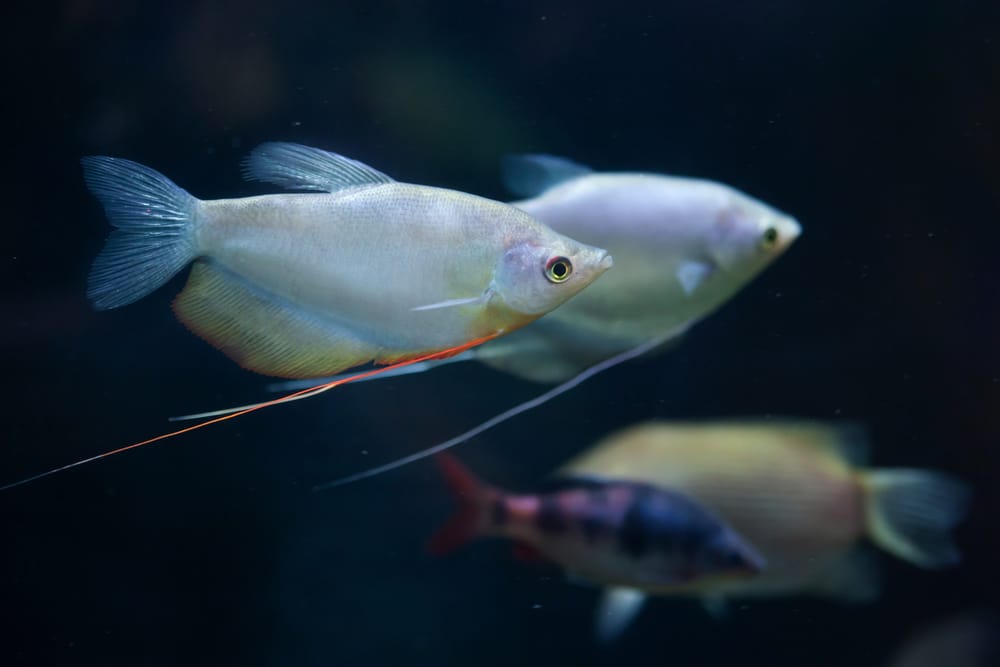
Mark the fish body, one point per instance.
(799, 492)
(308, 284)
(618, 533)
(682, 247)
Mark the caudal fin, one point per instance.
(154, 236)
(469, 519)
(910, 514)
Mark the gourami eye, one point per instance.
(769, 238)
(558, 269)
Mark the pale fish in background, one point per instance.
(308, 284)
(798, 491)
(609, 533)
(682, 247)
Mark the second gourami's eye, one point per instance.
(558, 269)
(769, 238)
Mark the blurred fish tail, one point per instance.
(154, 238)
(910, 514)
(472, 517)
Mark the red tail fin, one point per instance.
(466, 522)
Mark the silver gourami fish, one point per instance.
(307, 284)
(682, 247)
(363, 269)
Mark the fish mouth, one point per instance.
(606, 261)
(790, 229)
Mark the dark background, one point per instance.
(874, 123)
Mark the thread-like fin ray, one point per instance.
(295, 385)
(304, 393)
(422, 367)
(503, 416)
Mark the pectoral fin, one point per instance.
(616, 609)
(692, 274)
(451, 303)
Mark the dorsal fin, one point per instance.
(846, 441)
(305, 168)
(529, 175)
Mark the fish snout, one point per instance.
(789, 229)
(605, 262)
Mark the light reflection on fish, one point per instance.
(612, 533)
(307, 284)
(798, 491)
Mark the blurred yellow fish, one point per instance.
(798, 492)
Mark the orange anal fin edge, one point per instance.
(302, 393)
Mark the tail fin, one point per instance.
(154, 239)
(910, 514)
(520, 408)
(469, 519)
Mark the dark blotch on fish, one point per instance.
(593, 528)
(550, 518)
(499, 513)
(638, 526)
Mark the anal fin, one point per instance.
(263, 332)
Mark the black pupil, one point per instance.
(559, 269)
(771, 235)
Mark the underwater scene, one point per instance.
(485, 333)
